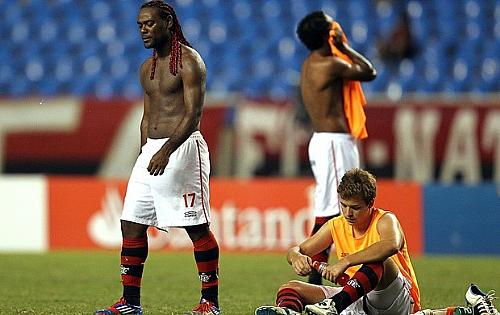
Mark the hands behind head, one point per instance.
(338, 38)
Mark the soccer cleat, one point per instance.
(274, 310)
(459, 310)
(325, 307)
(205, 308)
(121, 308)
(482, 302)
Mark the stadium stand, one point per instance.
(92, 48)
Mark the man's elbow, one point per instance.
(371, 75)
(392, 248)
(367, 75)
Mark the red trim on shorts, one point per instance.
(336, 176)
(201, 182)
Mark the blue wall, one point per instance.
(461, 219)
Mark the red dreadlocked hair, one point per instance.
(177, 37)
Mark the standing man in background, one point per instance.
(333, 98)
(168, 186)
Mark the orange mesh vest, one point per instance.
(346, 244)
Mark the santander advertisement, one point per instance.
(247, 215)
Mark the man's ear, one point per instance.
(169, 23)
(371, 204)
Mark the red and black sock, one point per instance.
(206, 254)
(290, 299)
(133, 255)
(362, 282)
(314, 276)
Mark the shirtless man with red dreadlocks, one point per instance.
(168, 186)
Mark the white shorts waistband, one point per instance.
(333, 136)
(197, 133)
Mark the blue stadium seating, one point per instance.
(52, 47)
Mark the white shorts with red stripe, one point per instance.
(331, 155)
(177, 198)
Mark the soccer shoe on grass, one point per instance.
(482, 302)
(205, 308)
(274, 310)
(325, 307)
(459, 310)
(121, 308)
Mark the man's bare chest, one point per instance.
(163, 83)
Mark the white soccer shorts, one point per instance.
(331, 155)
(177, 198)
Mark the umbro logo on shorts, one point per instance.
(190, 214)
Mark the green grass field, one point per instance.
(80, 282)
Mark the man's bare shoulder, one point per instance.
(146, 64)
(145, 69)
(387, 221)
(191, 59)
(329, 64)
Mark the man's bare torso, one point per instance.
(165, 97)
(322, 94)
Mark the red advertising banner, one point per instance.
(438, 140)
(405, 200)
(254, 215)
(84, 212)
(80, 134)
(425, 141)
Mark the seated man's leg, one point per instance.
(296, 294)
(369, 277)
(366, 279)
(292, 297)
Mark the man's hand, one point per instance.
(301, 264)
(333, 271)
(338, 39)
(158, 162)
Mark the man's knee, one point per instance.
(133, 230)
(196, 232)
(295, 285)
(305, 292)
(390, 273)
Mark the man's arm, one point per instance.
(300, 256)
(145, 114)
(193, 78)
(145, 121)
(360, 70)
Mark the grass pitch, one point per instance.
(80, 282)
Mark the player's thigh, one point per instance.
(138, 205)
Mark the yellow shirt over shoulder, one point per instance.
(346, 244)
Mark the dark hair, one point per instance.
(358, 183)
(166, 10)
(312, 29)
